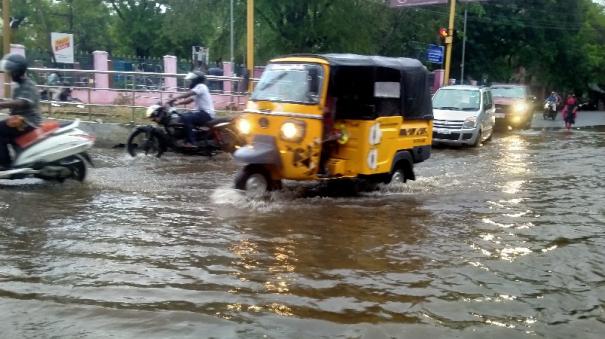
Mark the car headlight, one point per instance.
(520, 107)
(470, 122)
(293, 130)
(244, 126)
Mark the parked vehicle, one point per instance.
(63, 94)
(464, 115)
(335, 116)
(514, 105)
(168, 133)
(51, 152)
(550, 110)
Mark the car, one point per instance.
(515, 105)
(463, 115)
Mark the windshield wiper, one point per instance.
(470, 109)
(273, 81)
(448, 108)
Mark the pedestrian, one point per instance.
(24, 112)
(570, 111)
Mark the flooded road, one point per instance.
(503, 241)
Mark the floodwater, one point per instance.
(503, 241)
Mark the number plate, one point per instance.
(500, 115)
(443, 131)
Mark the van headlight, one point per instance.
(244, 126)
(470, 122)
(293, 130)
(520, 107)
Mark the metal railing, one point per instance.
(127, 98)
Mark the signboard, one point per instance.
(63, 47)
(410, 3)
(435, 54)
(199, 55)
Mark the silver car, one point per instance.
(464, 115)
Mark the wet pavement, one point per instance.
(503, 241)
(583, 119)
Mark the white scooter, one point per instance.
(51, 152)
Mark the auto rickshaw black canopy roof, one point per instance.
(416, 100)
(372, 61)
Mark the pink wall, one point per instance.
(111, 97)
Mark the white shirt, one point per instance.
(203, 100)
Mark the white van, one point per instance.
(464, 115)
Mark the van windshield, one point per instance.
(298, 83)
(508, 92)
(457, 100)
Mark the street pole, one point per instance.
(449, 40)
(463, 47)
(250, 43)
(6, 42)
(231, 57)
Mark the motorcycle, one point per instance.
(52, 151)
(218, 135)
(550, 110)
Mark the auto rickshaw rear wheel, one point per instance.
(256, 181)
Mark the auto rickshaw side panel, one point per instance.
(372, 144)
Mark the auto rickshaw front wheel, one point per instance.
(256, 181)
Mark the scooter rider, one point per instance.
(24, 113)
(204, 107)
(553, 98)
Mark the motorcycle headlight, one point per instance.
(470, 122)
(151, 111)
(244, 126)
(520, 107)
(293, 130)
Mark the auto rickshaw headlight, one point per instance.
(244, 126)
(520, 107)
(293, 130)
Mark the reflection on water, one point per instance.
(505, 240)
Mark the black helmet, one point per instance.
(195, 78)
(15, 65)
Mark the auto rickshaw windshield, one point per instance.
(288, 82)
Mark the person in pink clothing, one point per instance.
(570, 111)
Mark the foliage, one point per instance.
(546, 42)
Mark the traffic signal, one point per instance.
(443, 33)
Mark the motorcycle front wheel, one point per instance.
(229, 140)
(144, 142)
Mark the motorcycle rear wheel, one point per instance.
(142, 142)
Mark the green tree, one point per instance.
(138, 25)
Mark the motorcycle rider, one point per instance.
(553, 98)
(24, 112)
(204, 107)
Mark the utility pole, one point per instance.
(6, 42)
(449, 40)
(231, 38)
(463, 47)
(250, 43)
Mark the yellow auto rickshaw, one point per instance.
(334, 116)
